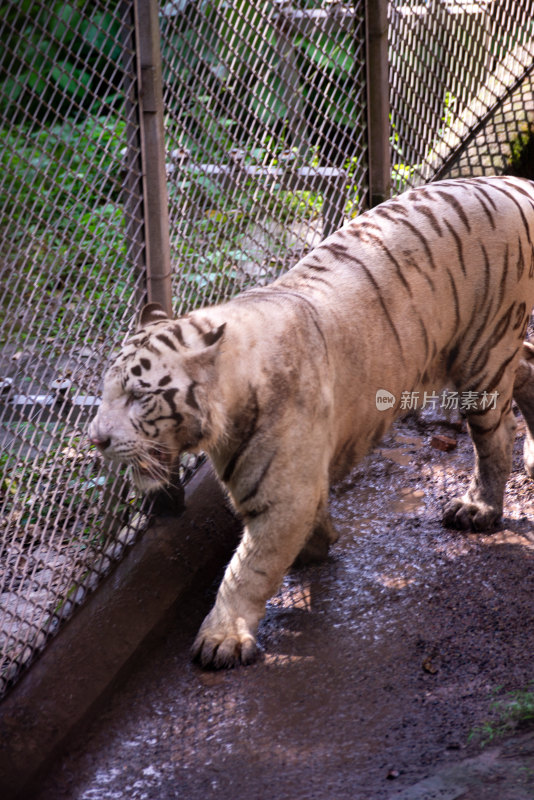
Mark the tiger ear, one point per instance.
(213, 336)
(152, 312)
(204, 352)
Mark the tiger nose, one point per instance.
(102, 444)
(97, 437)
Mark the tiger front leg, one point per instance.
(480, 508)
(270, 543)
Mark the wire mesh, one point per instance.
(266, 132)
(68, 239)
(266, 127)
(451, 64)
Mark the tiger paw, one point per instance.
(225, 647)
(465, 515)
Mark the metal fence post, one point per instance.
(376, 23)
(132, 176)
(155, 200)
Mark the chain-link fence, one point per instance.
(266, 130)
(454, 66)
(69, 251)
(267, 147)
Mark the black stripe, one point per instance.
(251, 414)
(176, 417)
(459, 245)
(480, 358)
(166, 340)
(382, 303)
(504, 276)
(452, 201)
(487, 211)
(431, 218)
(452, 356)
(520, 316)
(177, 331)
(456, 300)
(379, 243)
(520, 266)
(425, 337)
(484, 302)
(422, 239)
(501, 327)
(317, 279)
(252, 513)
(214, 335)
(389, 211)
(337, 250)
(317, 267)
(410, 262)
(149, 345)
(280, 289)
(168, 396)
(516, 203)
(520, 189)
(500, 372)
(190, 398)
(255, 489)
(196, 325)
(143, 426)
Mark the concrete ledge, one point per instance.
(79, 665)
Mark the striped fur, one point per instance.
(431, 289)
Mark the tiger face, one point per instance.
(151, 404)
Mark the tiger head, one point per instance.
(154, 402)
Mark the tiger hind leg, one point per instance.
(492, 433)
(524, 397)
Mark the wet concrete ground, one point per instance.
(376, 667)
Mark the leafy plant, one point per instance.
(69, 58)
(68, 216)
(521, 161)
(516, 709)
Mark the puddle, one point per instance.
(398, 455)
(409, 500)
(404, 453)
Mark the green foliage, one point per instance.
(67, 211)
(68, 61)
(516, 709)
(521, 161)
(250, 83)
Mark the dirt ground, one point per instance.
(377, 665)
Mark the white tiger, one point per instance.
(433, 288)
